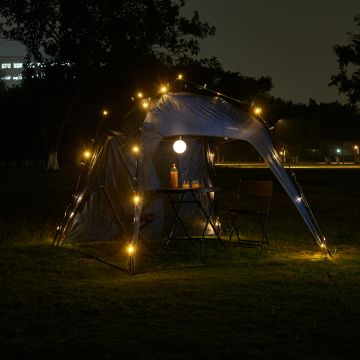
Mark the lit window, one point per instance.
(6, 66)
(7, 77)
(16, 78)
(18, 65)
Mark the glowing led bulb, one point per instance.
(257, 110)
(87, 154)
(131, 249)
(136, 199)
(179, 146)
(145, 104)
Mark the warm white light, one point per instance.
(87, 154)
(136, 199)
(179, 146)
(136, 149)
(131, 249)
(257, 110)
(163, 89)
(140, 95)
(180, 77)
(145, 104)
(105, 112)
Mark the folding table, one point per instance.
(177, 198)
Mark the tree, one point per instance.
(348, 78)
(90, 35)
(96, 52)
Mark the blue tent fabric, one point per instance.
(172, 115)
(192, 115)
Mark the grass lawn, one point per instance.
(287, 301)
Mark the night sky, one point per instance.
(290, 41)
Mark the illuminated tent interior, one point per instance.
(128, 166)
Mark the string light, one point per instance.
(298, 199)
(163, 89)
(140, 95)
(180, 77)
(135, 149)
(145, 104)
(87, 154)
(136, 200)
(257, 110)
(105, 112)
(131, 249)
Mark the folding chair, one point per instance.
(252, 212)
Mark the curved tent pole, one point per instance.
(270, 155)
(137, 211)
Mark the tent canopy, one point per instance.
(103, 208)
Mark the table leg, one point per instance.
(176, 220)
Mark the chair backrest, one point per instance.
(255, 194)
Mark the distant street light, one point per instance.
(357, 158)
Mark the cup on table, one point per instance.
(185, 184)
(195, 184)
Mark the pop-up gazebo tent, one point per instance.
(129, 165)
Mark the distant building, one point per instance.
(11, 68)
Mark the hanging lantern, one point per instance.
(179, 146)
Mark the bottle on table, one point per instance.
(174, 176)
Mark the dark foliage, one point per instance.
(348, 78)
(97, 54)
